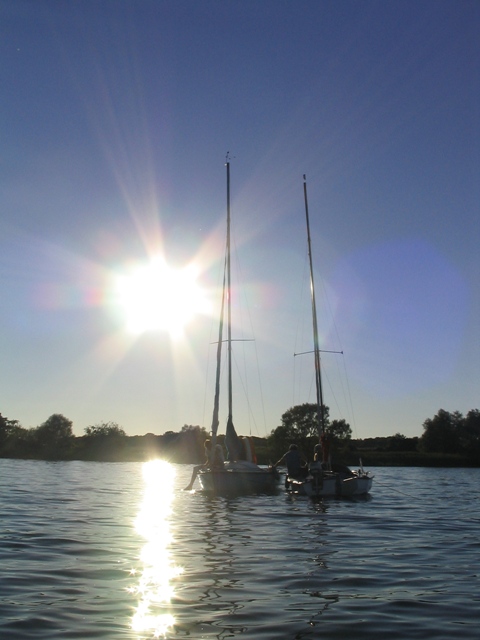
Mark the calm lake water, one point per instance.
(98, 550)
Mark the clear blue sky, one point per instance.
(116, 117)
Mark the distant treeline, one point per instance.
(108, 442)
(449, 439)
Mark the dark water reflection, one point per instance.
(92, 550)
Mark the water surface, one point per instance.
(117, 550)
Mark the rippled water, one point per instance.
(92, 550)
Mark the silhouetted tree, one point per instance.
(103, 441)
(300, 426)
(441, 433)
(399, 442)
(396, 442)
(191, 441)
(15, 441)
(54, 437)
(105, 430)
(7, 428)
(469, 434)
(301, 420)
(340, 434)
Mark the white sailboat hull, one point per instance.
(329, 485)
(315, 487)
(356, 486)
(239, 478)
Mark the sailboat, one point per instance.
(240, 474)
(325, 478)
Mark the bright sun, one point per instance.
(157, 297)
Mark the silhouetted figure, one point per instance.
(214, 460)
(296, 464)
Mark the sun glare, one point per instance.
(155, 297)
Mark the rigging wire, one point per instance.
(251, 329)
(348, 413)
(403, 493)
(213, 328)
(348, 395)
(240, 370)
(343, 379)
(300, 333)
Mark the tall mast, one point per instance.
(229, 301)
(316, 346)
(216, 402)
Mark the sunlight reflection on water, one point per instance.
(153, 524)
(402, 564)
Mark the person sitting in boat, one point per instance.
(296, 463)
(218, 461)
(318, 456)
(321, 452)
(214, 460)
(318, 463)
